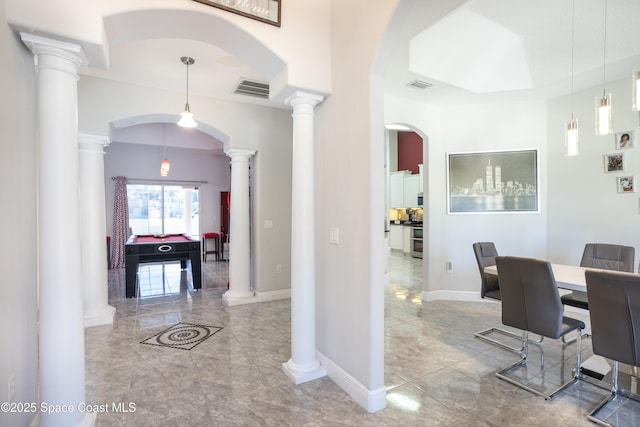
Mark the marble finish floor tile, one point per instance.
(436, 372)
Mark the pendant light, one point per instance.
(635, 86)
(604, 123)
(571, 127)
(186, 120)
(165, 166)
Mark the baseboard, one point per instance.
(451, 296)
(370, 400)
(35, 422)
(273, 295)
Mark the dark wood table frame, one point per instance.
(138, 253)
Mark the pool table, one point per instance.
(157, 248)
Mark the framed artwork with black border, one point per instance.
(493, 182)
(267, 11)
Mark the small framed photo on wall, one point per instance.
(614, 162)
(626, 184)
(624, 140)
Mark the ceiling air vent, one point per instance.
(252, 88)
(419, 84)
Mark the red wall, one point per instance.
(409, 151)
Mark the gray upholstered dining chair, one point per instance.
(603, 256)
(614, 304)
(531, 302)
(486, 254)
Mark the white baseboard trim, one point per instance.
(274, 295)
(371, 400)
(451, 296)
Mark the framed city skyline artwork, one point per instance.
(493, 182)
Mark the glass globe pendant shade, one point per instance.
(604, 124)
(164, 167)
(186, 118)
(571, 147)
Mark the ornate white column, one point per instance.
(61, 336)
(239, 239)
(95, 281)
(304, 365)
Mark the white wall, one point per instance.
(449, 237)
(18, 262)
(584, 205)
(350, 196)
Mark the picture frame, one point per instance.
(626, 184)
(624, 140)
(614, 162)
(493, 182)
(267, 11)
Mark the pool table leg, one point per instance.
(131, 268)
(196, 270)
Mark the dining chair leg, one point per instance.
(483, 335)
(502, 374)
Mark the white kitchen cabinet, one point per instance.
(396, 237)
(410, 190)
(406, 239)
(396, 188)
(421, 182)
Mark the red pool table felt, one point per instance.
(161, 238)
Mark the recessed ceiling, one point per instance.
(490, 50)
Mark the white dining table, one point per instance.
(569, 277)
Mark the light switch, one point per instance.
(334, 235)
(268, 223)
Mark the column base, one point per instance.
(103, 316)
(89, 419)
(231, 300)
(299, 374)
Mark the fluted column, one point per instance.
(61, 336)
(95, 281)
(304, 365)
(239, 239)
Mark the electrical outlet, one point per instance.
(278, 268)
(11, 388)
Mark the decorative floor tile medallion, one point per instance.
(184, 336)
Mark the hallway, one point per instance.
(436, 372)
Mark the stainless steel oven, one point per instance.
(416, 241)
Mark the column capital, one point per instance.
(301, 97)
(43, 45)
(240, 152)
(90, 142)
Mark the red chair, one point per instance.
(216, 242)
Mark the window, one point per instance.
(163, 209)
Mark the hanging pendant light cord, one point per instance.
(573, 31)
(188, 87)
(604, 62)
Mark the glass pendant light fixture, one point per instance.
(635, 87)
(186, 119)
(165, 166)
(571, 127)
(604, 123)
